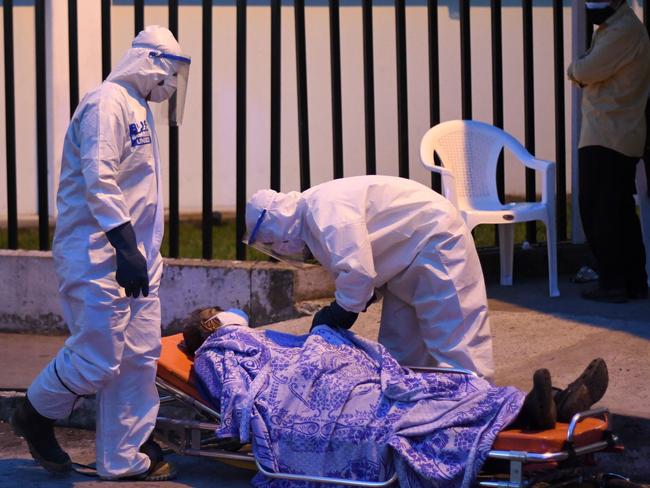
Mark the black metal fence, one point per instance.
(275, 87)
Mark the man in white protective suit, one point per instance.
(106, 254)
(390, 237)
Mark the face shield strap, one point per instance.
(251, 239)
(172, 57)
(596, 5)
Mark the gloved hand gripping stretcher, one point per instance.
(516, 459)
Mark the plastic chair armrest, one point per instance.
(537, 164)
(547, 168)
(448, 183)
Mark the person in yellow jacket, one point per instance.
(615, 77)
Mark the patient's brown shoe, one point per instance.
(539, 408)
(582, 393)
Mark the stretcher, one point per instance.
(517, 459)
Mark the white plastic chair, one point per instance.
(469, 152)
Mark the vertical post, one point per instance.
(497, 85)
(560, 129)
(207, 129)
(41, 128)
(73, 52)
(529, 108)
(138, 7)
(465, 61)
(369, 88)
(10, 125)
(402, 96)
(174, 214)
(434, 76)
(276, 93)
(497, 94)
(301, 74)
(577, 48)
(106, 38)
(241, 130)
(335, 63)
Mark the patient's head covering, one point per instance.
(204, 321)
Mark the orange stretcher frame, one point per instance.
(525, 453)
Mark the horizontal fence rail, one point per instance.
(369, 78)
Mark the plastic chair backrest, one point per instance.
(470, 150)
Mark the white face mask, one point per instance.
(164, 91)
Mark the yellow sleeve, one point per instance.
(614, 48)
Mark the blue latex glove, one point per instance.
(132, 272)
(335, 316)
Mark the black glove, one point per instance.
(132, 271)
(335, 316)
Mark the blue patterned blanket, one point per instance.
(334, 404)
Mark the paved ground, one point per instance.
(530, 331)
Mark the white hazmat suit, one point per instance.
(401, 240)
(110, 175)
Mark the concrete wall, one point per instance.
(269, 292)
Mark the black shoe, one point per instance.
(38, 432)
(539, 411)
(159, 469)
(606, 295)
(582, 393)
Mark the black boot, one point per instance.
(38, 431)
(159, 469)
(538, 411)
(582, 393)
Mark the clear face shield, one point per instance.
(172, 107)
(293, 252)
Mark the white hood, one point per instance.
(138, 68)
(283, 219)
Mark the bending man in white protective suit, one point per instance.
(106, 253)
(388, 236)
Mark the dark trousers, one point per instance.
(609, 217)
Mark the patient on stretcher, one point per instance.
(340, 405)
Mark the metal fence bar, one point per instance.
(241, 130)
(41, 129)
(106, 38)
(174, 204)
(276, 94)
(369, 88)
(207, 129)
(529, 108)
(301, 75)
(10, 125)
(402, 96)
(434, 76)
(335, 68)
(497, 93)
(138, 7)
(465, 61)
(560, 129)
(497, 84)
(73, 55)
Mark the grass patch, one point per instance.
(223, 239)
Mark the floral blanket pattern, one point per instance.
(334, 404)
